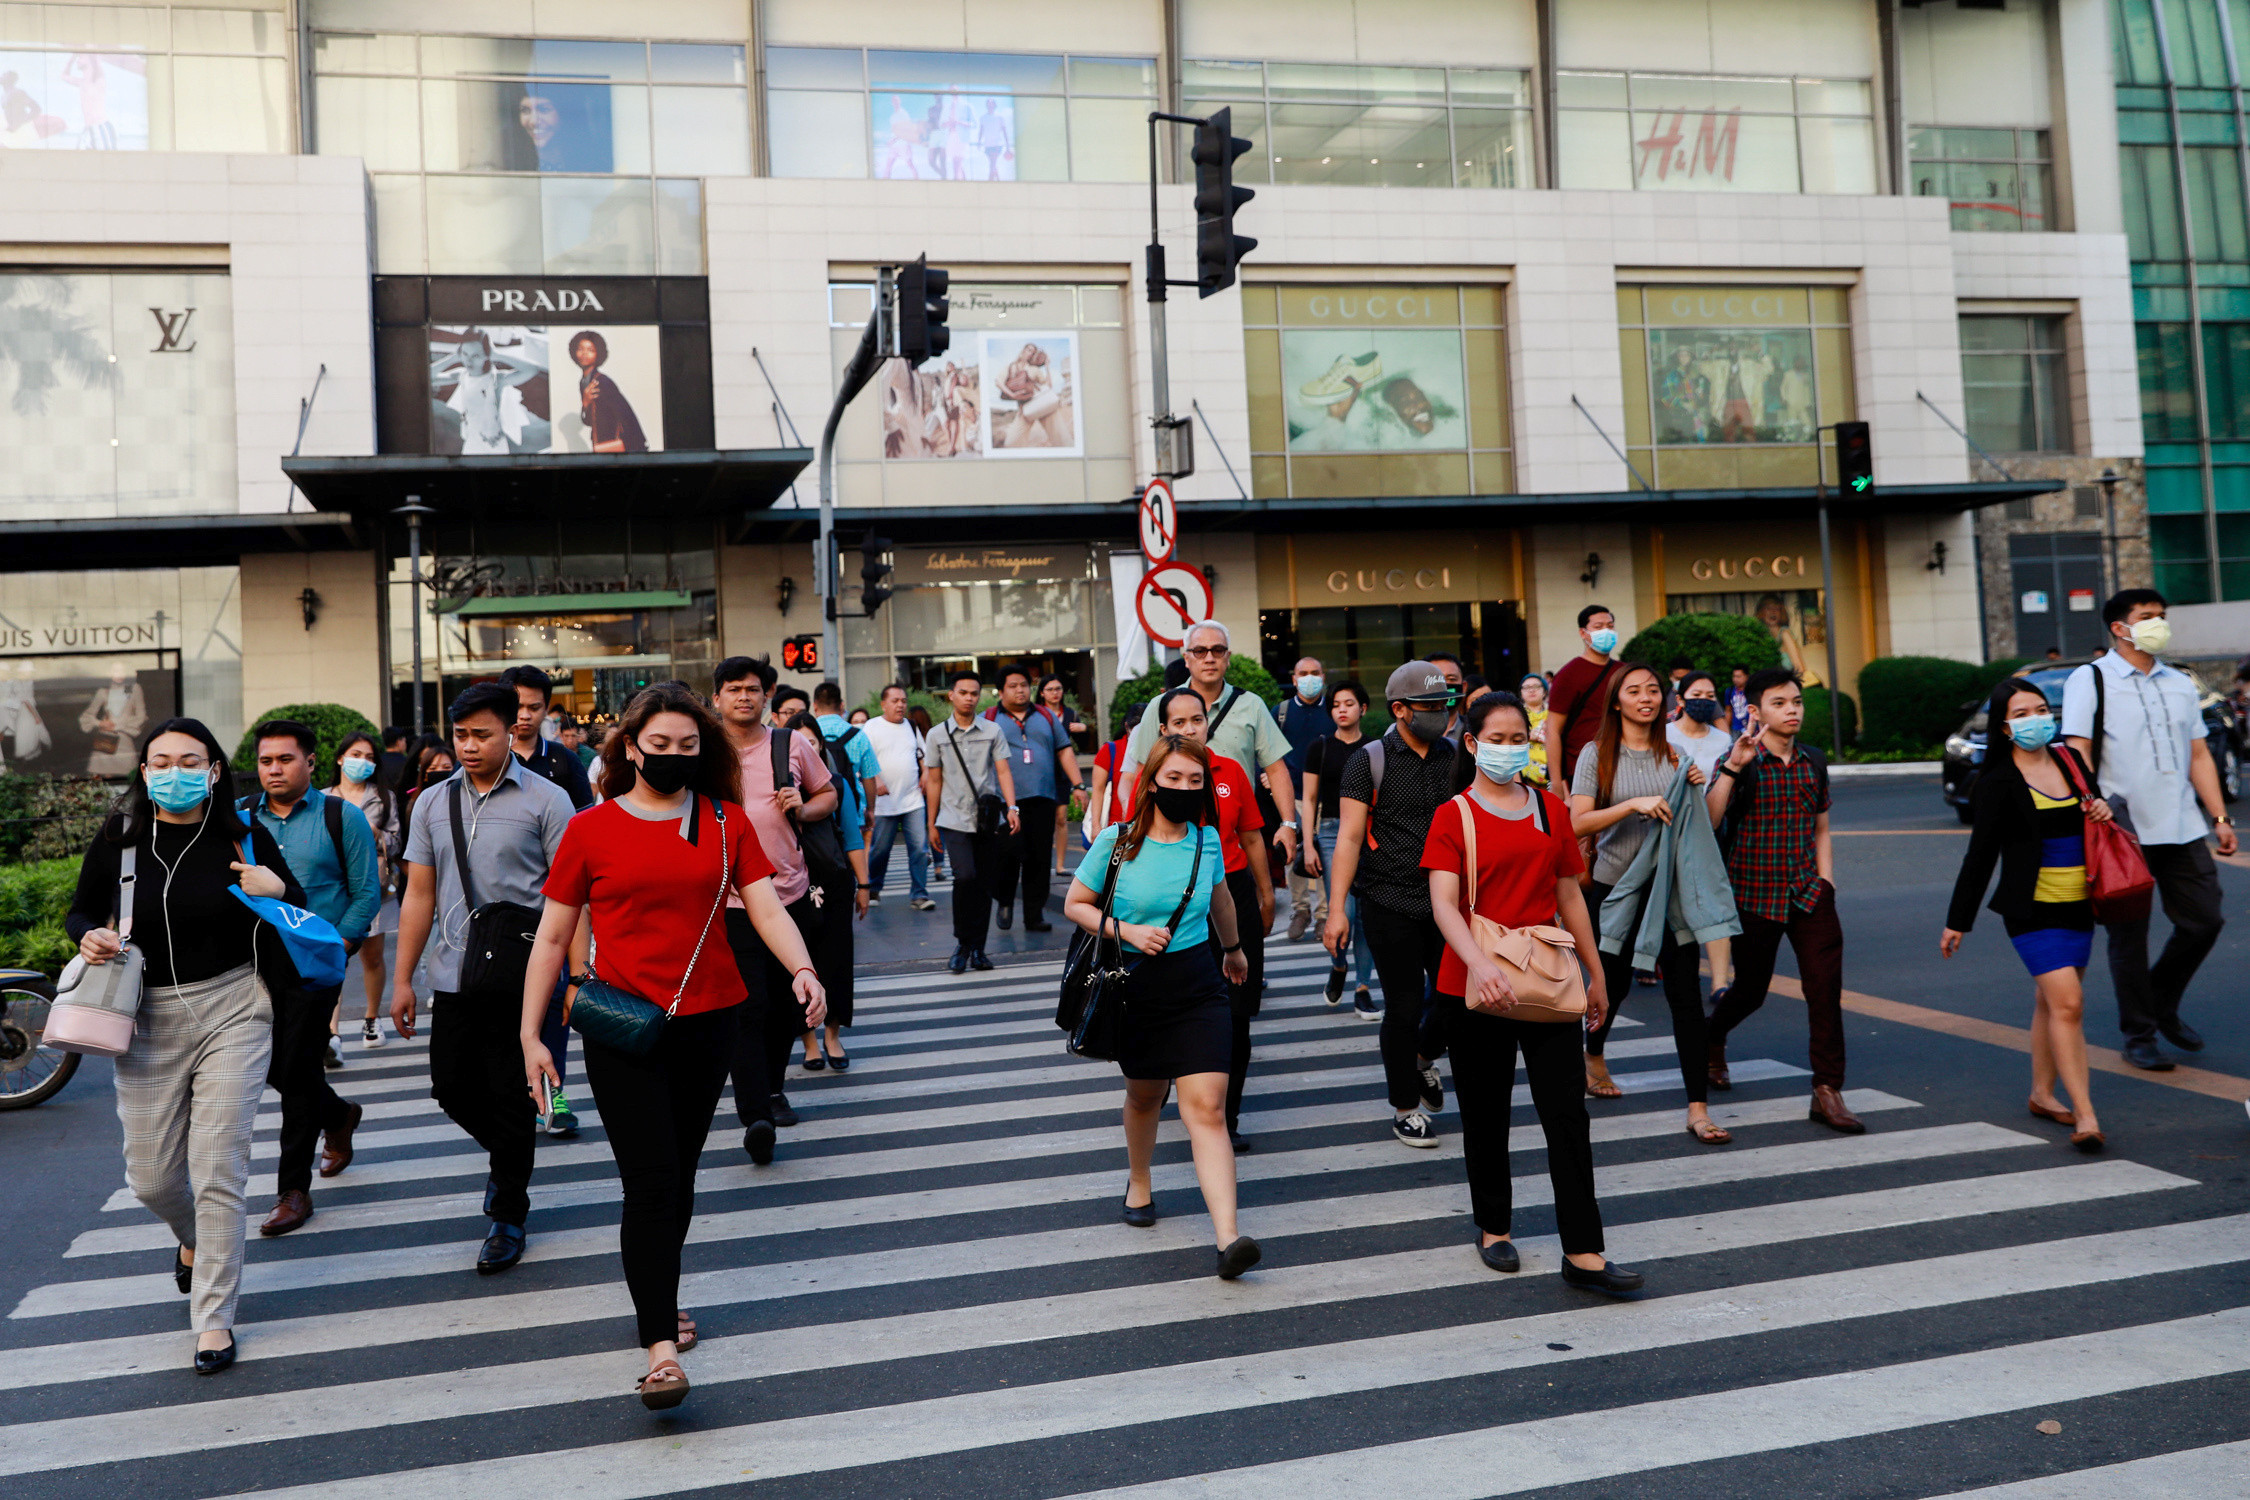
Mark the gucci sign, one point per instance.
(1748, 567)
(1388, 580)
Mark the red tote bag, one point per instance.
(2121, 885)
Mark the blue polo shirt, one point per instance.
(347, 899)
(1032, 749)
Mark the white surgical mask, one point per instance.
(1502, 762)
(1603, 640)
(2152, 634)
(1310, 687)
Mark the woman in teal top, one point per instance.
(1171, 912)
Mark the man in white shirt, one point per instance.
(2139, 724)
(900, 751)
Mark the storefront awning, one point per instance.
(950, 523)
(563, 486)
(169, 541)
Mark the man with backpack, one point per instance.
(858, 778)
(1769, 802)
(785, 786)
(331, 851)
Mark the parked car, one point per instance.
(1965, 747)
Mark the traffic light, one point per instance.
(1855, 459)
(1217, 247)
(801, 653)
(874, 567)
(922, 311)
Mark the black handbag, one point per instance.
(497, 946)
(992, 808)
(821, 844)
(622, 1020)
(1097, 1031)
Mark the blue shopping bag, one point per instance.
(313, 943)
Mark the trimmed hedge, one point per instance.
(1715, 643)
(1914, 702)
(330, 723)
(1814, 730)
(1243, 672)
(33, 900)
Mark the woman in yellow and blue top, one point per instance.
(2030, 820)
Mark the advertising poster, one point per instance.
(945, 137)
(81, 715)
(1374, 390)
(1030, 394)
(932, 412)
(73, 101)
(1731, 385)
(553, 389)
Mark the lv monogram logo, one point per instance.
(171, 327)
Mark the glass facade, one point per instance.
(2015, 384)
(1995, 179)
(958, 116)
(513, 156)
(144, 78)
(1384, 127)
(2181, 103)
(1680, 133)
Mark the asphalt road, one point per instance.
(929, 1293)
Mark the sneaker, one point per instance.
(333, 1059)
(874, 898)
(371, 1033)
(922, 903)
(1299, 920)
(562, 1122)
(1364, 1006)
(1414, 1130)
(1335, 985)
(1433, 1092)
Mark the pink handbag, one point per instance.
(96, 1004)
(1539, 963)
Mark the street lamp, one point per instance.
(2108, 482)
(414, 510)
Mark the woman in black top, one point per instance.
(1324, 778)
(188, 1087)
(2029, 819)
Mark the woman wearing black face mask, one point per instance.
(646, 873)
(1168, 897)
(1700, 735)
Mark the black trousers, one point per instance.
(1683, 992)
(1484, 1085)
(973, 863)
(766, 1036)
(656, 1111)
(2149, 995)
(308, 1104)
(1817, 938)
(1407, 951)
(832, 950)
(1244, 998)
(1021, 858)
(476, 1076)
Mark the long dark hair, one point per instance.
(426, 749)
(132, 814)
(375, 787)
(717, 773)
(1481, 708)
(1612, 734)
(1144, 805)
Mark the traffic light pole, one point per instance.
(1828, 596)
(856, 375)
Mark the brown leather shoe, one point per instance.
(1828, 1109)
(290, 1211)
(336, 1145)
(1717, 1068)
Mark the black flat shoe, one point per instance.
(1501, 1255)
(1039, 926)
(503, 1247)
(1614, 1279)
(758, 1141)
(212, 1361)
(959, 962)
(1335, 985)
(2181, 1035)
(1141, 1215)
(783, 1115)
(815, 1064)
(839, 1064)
(977, 960)
(1007, 918)
(1238, 1258)
(183, 1274)
(1243, 1145)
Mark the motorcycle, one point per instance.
(30, 1072)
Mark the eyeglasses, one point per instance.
(1205, 651)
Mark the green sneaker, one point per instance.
(562, 1122)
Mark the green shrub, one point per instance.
(1815, 729)
(51, 817)
(1914, 702)
(1990, 674)
(33, 901)
(1716, 643)
(330, 723)
(1243, 672)
(45, 948)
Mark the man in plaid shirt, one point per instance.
(1782, 867)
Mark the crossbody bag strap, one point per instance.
(1469, 849)
(1227, 700)
(461, 847)
(726, 867)
(952, 738)
(1107, 899)
(2101, 718)
(128, 863)
(1195, 871)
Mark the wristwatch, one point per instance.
(1232, 948)
(1289, 823)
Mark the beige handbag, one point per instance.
(1539, 963)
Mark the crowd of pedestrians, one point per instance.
(1490, 870)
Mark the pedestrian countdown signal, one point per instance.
(801, 653)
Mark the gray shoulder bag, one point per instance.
(96, 1004)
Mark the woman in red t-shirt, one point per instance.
(1526, 876)
(649, 869)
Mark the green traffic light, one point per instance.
(1861, 483)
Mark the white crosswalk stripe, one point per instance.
(950, 1206)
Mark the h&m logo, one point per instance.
(563, 299)
(171, 327)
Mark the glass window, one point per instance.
(2226, 373)
(342, 52)
(230, 104)
(1109, 140)
(2167, 382)
(816, 134)
(597, 227)
(1378, 126)
(375, 119)
(679, 227)
(1126, 77)
(1671, 132)
(483, 225)
(2013, 383)
(702, 132)
(1377, 390)
(108, 78)
(675, 63)
(1994, 179)
(259, 33)
(814, 68)
(398, 221)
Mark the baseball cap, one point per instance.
(1416, 682)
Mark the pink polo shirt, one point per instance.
(776, 834)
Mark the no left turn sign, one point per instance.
(1160, 522)
(1171, 598)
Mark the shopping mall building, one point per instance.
(1551, 303)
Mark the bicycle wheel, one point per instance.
(30, 1072)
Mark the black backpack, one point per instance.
(823, 846)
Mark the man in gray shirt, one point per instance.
(512, 821)
(967, 760)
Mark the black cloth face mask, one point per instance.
(1182, 804)
(667, 774)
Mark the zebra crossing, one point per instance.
(929, 1293)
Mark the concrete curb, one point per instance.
(1887, 768)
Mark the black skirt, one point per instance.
(1178, 1020)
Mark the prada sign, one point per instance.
(510, 299)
